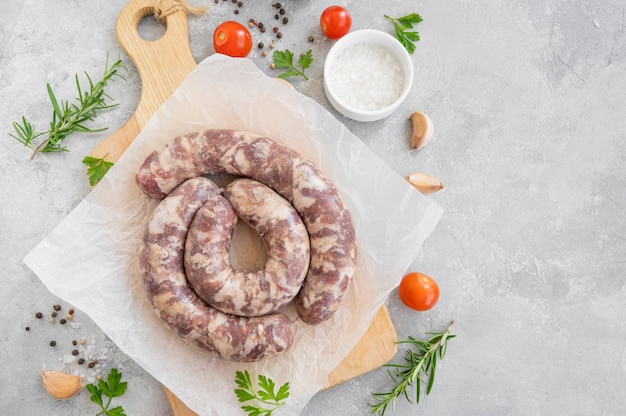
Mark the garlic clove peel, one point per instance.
(61, 385)
(422, 130)
(424, 183)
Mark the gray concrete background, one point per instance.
(528, 101)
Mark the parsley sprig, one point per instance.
(266, 395)
(284, 59)
(96, 168)
(69, 118)
(112, 387)
(419, 363)
(402, 25)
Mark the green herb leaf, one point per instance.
(116, 411)
(96, 394)
(69, 118)
(266, 399)
(402, 25)
(289, 73)
(283, 392)
(53, 101)
(25, 133)
(412, 36)
(243, 380)
(251, 410)
(266, 386)
(112, 387)
(96, 168)
(117, 388)
(244, 395)
(284, 59)
(418, 364)
(306, 59)
(409, 20)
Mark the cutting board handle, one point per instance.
(162, 64)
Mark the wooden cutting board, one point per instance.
(163, 64)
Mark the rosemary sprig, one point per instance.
(421, 361)
(69, 118)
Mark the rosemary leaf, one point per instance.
(420, 362)
(54, 102)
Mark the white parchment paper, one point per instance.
(90, 258)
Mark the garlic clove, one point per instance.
(423, 130)
(424, 183)
(61, 385)
(287, 83)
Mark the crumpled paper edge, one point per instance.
(89, 259)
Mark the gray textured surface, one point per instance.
(528, 101)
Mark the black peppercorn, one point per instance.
(53, 343)
(38, 315)
(81, 360)
(27, 328)
(57, 307)
(74, 352)
(53, 314)
(91, 365)
(62, 321)
(279, 35)
(74, 342)
(285, 20)
(260, 45)
(281, 11)
(311, 38)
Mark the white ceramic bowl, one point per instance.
(380, 39)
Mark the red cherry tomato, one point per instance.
(335, 22)
(232, 39)
(418, 291)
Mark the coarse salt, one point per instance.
(366, 76)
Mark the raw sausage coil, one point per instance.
(207, 259)
(328, 222)
(229, 337)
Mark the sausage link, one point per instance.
(207, 260)
(161, 261)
